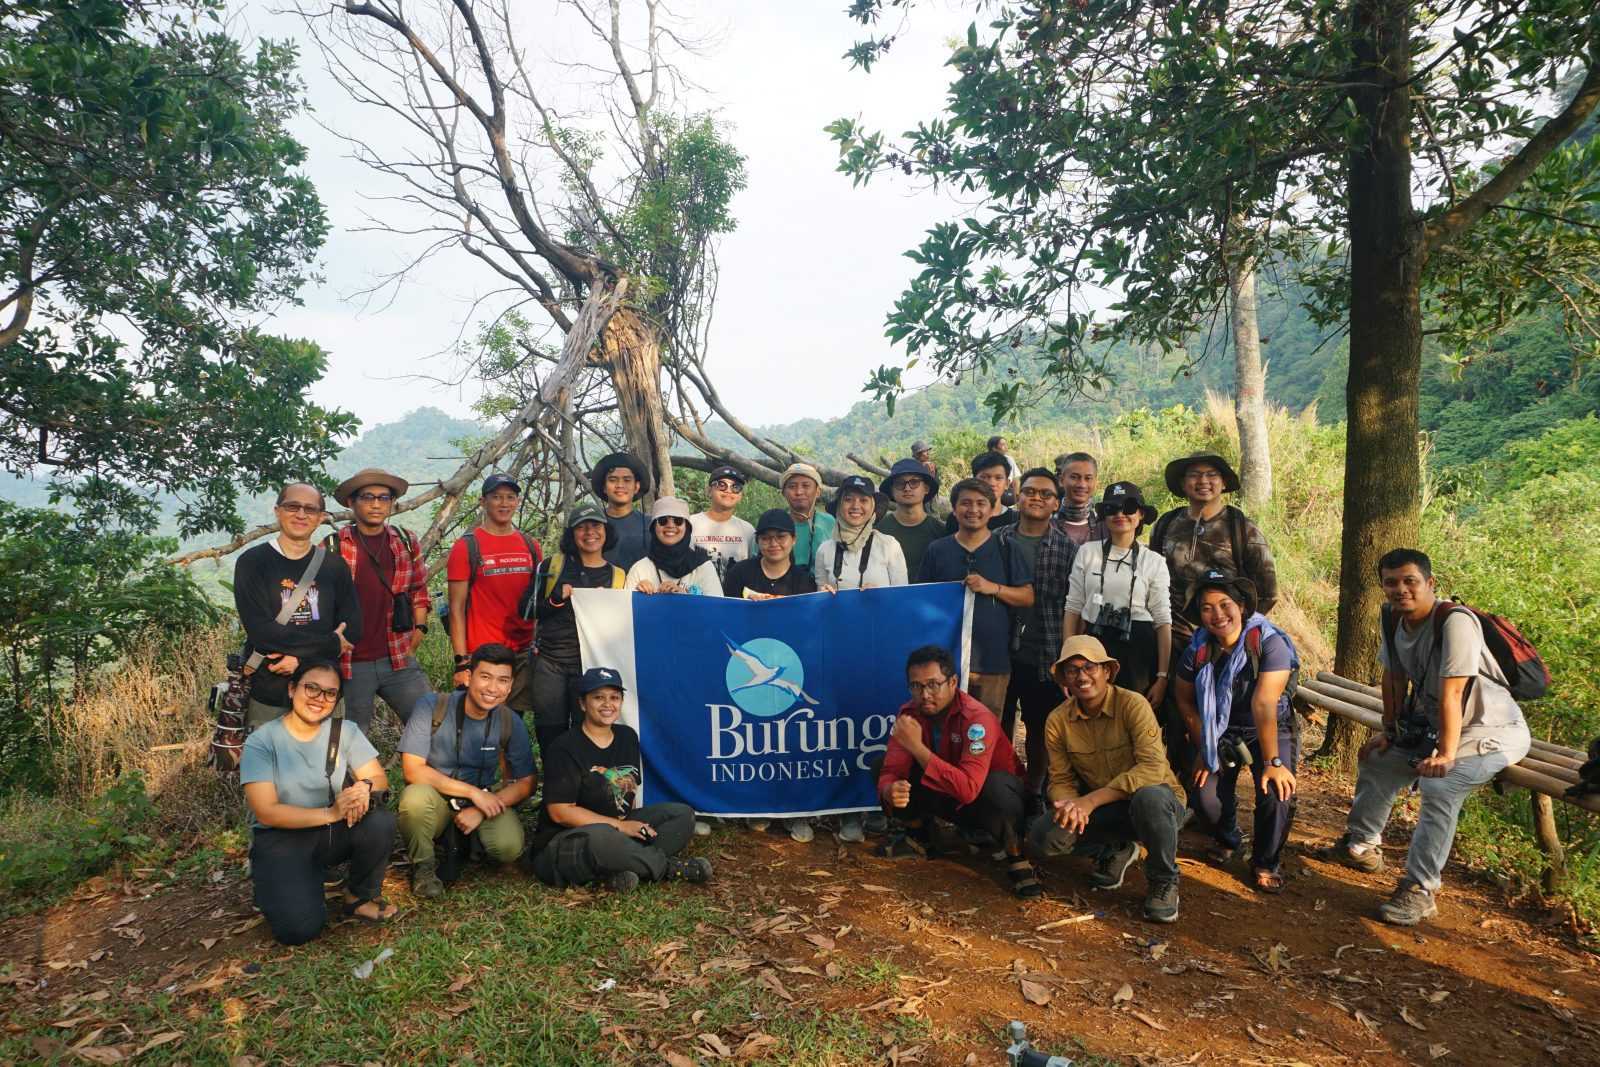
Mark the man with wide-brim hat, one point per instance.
(1208, 532)
(391, 581)
(618, 481)
(910, 488)
(1110, 789)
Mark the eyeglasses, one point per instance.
(375, 498)
(317, 693)
(294, 507)
(919, 688)
(672, 520)
(1205, 475)
(722, 485)
(1039, 494)
(1086, 670)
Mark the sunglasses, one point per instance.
(1128, 507)
(672, 520)
(725, 486)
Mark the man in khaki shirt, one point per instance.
(1110, 785)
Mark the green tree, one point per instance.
(150, 202)
(1145, 145)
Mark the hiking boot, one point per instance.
(425, 881)
(696, 869)
(800, 829)
(622, 882)
(1369, 859)
(851, 830)
(1111, 866)
(1409, 905)
(1161, 905)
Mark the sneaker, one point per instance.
(760, 826)
(1161, 905)
(425, 881)
(696, 869)
(800, 829)
(1409, 905)
(702, 828)
(622, 882)
(1111, 866)
(1369, 859)
(850, 829)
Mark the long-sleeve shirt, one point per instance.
(1117, 747)
(263, 579)
(967, 744)
(1192, 547)
(1116, 580)
(886, 563)
(1052, 572)
(406, 574)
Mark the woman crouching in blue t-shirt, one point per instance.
(305, 819)
(1233, 692)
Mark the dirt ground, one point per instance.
(1306, 977)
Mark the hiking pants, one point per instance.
(287, 868)
(1152, 817)
(400, 688)
(586, 854)
(425, 813)
(997, 809)
(1217, 803)
(555, 703)
(1035, 698)
(1381, 778)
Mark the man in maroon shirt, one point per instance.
(391, 583)
(948, 758)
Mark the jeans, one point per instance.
(997, 809)
(555, 703)
(400, 688)
(425, 813)
(1381, 778)
(1217, 803)
(287, 867)
(587, 854)
(1151, 816)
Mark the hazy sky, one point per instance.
(806, 279)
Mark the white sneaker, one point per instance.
(702, 828)
(800, 829)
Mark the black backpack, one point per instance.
(1237, 538)
(474, 564)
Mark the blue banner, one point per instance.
(778, 707)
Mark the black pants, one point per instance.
(1151, 817)
(555, 703)
(997, 809)
(1136, 655)
(1035, 699)
(1218, 803)
(287, 868)
(587, 854)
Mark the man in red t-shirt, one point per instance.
(486, 613)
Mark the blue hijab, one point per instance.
(1213, 682)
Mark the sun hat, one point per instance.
(370, 476)
(597, 477)
(1178, 467)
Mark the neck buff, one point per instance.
(1077, 514)
(851, 536)
(676, 561)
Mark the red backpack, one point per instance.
(1526, 675)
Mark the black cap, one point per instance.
(776, 519)
(600, 678)
(1116, 497)
(733, 474)
(500, 481)
(853, 483)
(1236, 586)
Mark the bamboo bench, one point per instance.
(1546, 771)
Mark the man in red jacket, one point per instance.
(948, 758)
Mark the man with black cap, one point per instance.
(391, 581)
(1208, 532)
(717, 529)
(910, 486)
(489, 571)
(772, 572)
(619, 480)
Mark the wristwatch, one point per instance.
(1275, 762)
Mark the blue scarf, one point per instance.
(1213, 692)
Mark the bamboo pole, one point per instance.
(1549, 839)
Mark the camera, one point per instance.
(1416, 735)
(1113, 623)
(1233, 753)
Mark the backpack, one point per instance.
(546, 576)
(1237, 538)
(1526, 675)
(474, 564)
(441, 709)
(1252, 652)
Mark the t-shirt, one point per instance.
(948, 561)
(377, 603)
(809, 535)
(747, 576)
(295, 767)
(601, 780)
(477, 761)
(263, 581)
(503, 576)
(1489, 710)
(728, 541)
(914, 540)
(558, 626)
(633, 532)
(1276, 655)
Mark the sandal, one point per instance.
(384, 915)
(1268, 881)
(1223, 854)
(1024, 881)
(901, 847)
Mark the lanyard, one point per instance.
(1132, 559)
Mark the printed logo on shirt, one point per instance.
(623, 783)
(310, 609)
(514, 563)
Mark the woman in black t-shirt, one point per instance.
(589, 829)
(771, 573)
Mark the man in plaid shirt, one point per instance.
(391, 582)
(1039, 535)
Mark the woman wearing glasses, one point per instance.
(312, 807)
(672, 563)
(1118, 593)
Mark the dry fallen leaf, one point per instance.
(1142, 1017)
(160, 1039)
(232, 1011)
(678, 1059)
(207, 942)
(461, 982)
(1366, 1020)
(1438, 996)
(101, 1054)
(754, 1047)
(1124, 994)
(869, 887)
(821, 941)
(716, 1046)
(1158, 950)
(1341, 950)
(1251, 1030)
(833, 970)
(125, 920)
(1035, 993)
(1437, 1052)
(1410, 1020)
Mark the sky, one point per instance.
(806, 280)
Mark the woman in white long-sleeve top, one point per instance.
(1119, 593)
(857, 556)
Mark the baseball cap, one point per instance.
(600, 678)
(733, 474)
(500, 481)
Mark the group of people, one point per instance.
(1143, 668)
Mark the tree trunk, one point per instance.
(1548, 836)
(632, 350)
(1382, 469)
(1249, 388)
